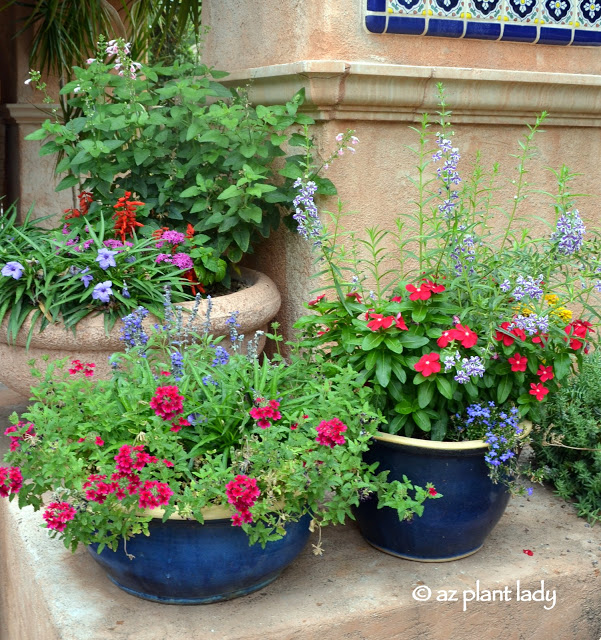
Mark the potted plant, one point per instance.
(567, 444)
(198, 156)
(186, 454)
(462, 328)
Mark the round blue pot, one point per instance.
(451, 527)
(185, 562)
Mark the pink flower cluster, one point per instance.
(242, 492)
(15, 441)
(130, 459)
(57, 514)
(329, 432)
(263, 414)
(77, 366)
(167, 402)
(11, 481)
(180, 260)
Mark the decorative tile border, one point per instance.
(554, 22)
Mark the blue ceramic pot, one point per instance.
(451, 527)
(185, 562)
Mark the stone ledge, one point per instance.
(352, 592)
(354, 90)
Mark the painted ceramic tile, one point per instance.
(447, 8)
(548, 22)
(588, 14)
(407, 7)
(522, 10)
(557, 12)
(485, 9)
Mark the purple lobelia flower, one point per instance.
(103, 291)
(13, 269)
(306, 214)
(569, 234)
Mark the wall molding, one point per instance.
(348, 90)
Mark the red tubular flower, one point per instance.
(329, 432)
(538, 391)
(379, 321)
(545, 373)
(125, 216)
(428, 364)
(190, 232)
(432, 491)
(528, 552)
(518, 362)
(312, 303)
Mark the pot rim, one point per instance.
(465, 445)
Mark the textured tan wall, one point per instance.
(247, 33)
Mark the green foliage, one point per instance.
(193, 150)
(78, 425)
(447, 309)
(568, 441)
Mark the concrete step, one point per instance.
(352, 592)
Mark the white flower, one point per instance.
(28, 80)
(339, 137)
(90, 60)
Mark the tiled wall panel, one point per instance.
(551, 22)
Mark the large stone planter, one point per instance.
(257, 306)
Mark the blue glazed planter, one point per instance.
(185, 562)
(450, 528)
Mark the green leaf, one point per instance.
(422, 420)
(504, 389)
(444, 387)
(399, 370)
(383, 369)
(67, 182)
(140, 155)
(413, 341)
(242, 237)
(425, 392)
(371, 341)
(231, 192)
(419, 314)
(562, 365)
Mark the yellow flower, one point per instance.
(563, 313)
(551, 298)
(523, 309)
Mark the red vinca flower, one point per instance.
(545, 373)
(422, 292)
(466, 336)
(518, 362)
(538, 391)
(379, 321)
(428, 364)
(400, 323)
